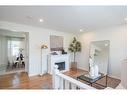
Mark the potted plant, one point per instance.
(74, 47)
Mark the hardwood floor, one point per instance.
(111, 82)
(22, 81)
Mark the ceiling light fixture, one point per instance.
(106, 44)
(81, 30)
(126, 18)
(41, 20)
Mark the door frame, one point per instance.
(20, 34)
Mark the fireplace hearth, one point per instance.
(61, 65)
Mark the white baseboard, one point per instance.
(10, 72)
(30, 75)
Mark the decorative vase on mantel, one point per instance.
(74, 47)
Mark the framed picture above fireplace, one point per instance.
(56, 43)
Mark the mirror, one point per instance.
(99, 57)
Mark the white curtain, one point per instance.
(14, 44)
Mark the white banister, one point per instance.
(124, 73)
(56, 79)
(60, 81)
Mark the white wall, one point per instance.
(3, 50)
(118, 47)
(37, 37)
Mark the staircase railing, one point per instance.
(62, 81)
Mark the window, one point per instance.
(13, 47)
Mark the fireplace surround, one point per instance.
(61, 60)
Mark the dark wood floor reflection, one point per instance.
(22, 81)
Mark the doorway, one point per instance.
(13, 52)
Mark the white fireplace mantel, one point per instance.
(52, 59)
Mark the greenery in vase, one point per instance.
(74, 47)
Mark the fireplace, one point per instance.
(61, 60)
(61, 65)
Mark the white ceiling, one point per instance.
(66, 18)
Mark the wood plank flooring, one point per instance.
(23, 81)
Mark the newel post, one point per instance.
(55, 78)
